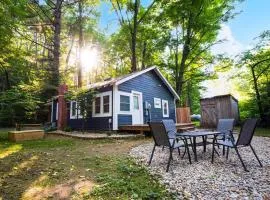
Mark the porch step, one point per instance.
(188, 128)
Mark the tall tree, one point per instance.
(131, 15)
(257, 61)
(194, 26)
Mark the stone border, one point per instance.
(96, 136)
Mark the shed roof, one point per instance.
(219, 96)
(121, 79)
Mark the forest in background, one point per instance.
(44, 43)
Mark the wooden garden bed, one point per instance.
(16, 136)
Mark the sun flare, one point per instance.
(89, 58)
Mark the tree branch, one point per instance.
(146, 12)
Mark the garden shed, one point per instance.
(218, 107)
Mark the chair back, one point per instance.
(225, 125)
(159, 134)
(170, 127)
(247, 132)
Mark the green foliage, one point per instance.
(67, 129)
(254, 73)
(84, 98)
(18, 104)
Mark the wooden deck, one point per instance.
(141, 128)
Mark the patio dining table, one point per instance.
(194, 135)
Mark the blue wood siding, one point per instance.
(92, 123)
(124, 119)
(151, 87)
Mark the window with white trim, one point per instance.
(97, 105)
(102, 105)
(106, 104)
(124, 103)
(165, 108)
(74, 110)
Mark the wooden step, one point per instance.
(189, 128)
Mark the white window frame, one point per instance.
(77, 111)
(102, 114)
(130, 102)
(163, 102)
(157, 100)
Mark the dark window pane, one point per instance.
(106, 99)
(124, 107)
(106, 104)
(124, 103)
(97, 105)
(165, 108)
(73, 107)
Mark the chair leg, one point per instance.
(223, 150)
(256, 155)
(213, 152)
(170, 158)
(162, 148)
(244, 166)
(187, 149)
(178, 151)
(186, 146)
(152, 155)
(227, 154)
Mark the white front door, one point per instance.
(137, 108)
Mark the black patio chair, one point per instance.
(171, 131)
(162, 139)
(225, 127)
(244, 140)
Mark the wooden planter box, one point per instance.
(16, 136)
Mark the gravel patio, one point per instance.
(203, 180)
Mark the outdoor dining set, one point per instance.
(165, 135)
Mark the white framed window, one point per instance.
(124, 103)
(102, 105)
(97, 105)
(157, 103)
(74, 111)
(165, 108)
(106, 104)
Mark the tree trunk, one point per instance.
(185, 54)
(7, 79)
(69, 51)
(144, 54)
(134, 37)
(80, 46)
(189, 98)
(258, 96)
(56, 43)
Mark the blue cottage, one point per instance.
(127, 100)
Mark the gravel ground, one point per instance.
(225, 179)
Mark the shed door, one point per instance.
(137, 108)
(209, 115)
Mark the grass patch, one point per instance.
(120, 177)
(56, 165)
